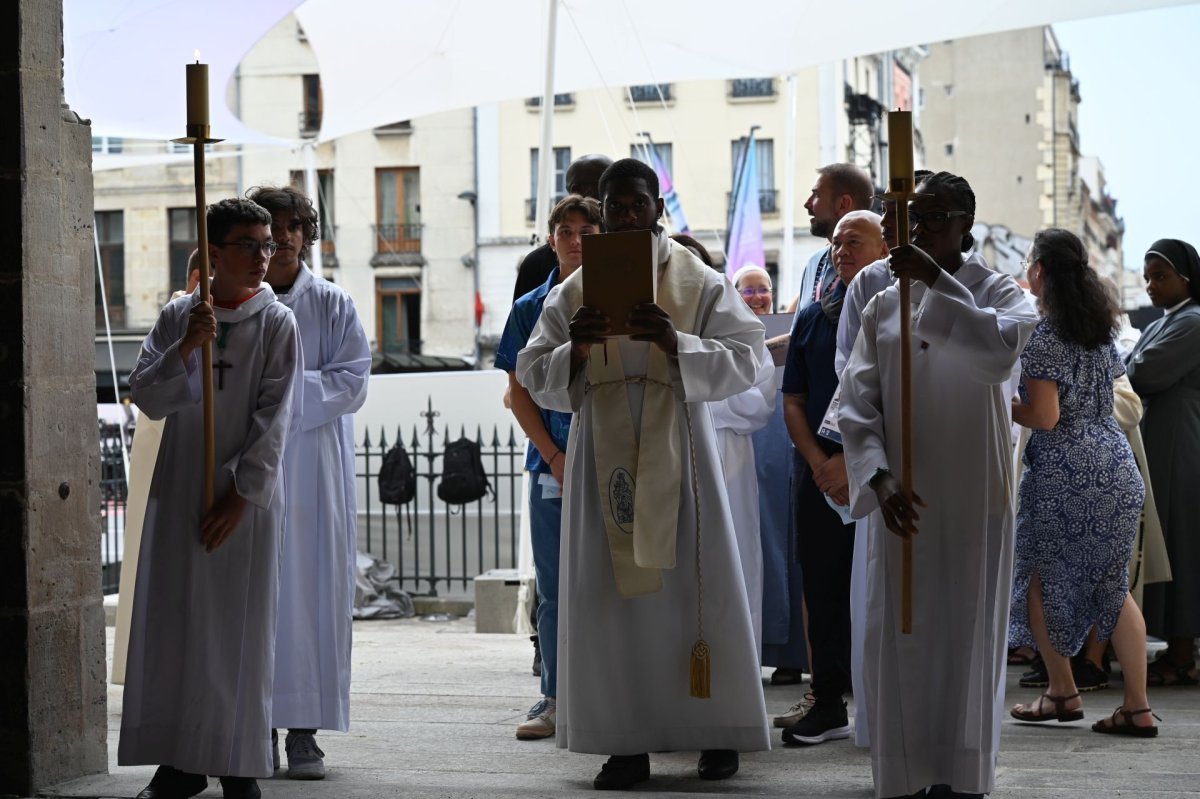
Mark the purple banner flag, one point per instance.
(667, 188)
(744, 244)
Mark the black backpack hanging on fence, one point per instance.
(463, 477)
(397, 477)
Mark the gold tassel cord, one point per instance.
(701, 670)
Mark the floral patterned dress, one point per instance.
(1080, 497)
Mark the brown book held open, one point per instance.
(619, 272)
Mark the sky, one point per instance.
(1140, 114)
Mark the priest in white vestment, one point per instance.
(319, 567)
(632, 594)
(201, 652)
(934, 697)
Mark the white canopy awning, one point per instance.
(383, 61)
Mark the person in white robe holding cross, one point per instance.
(631, 603)
(201, 651)
(935, 697)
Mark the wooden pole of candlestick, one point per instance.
(900, 190)
(198, 136)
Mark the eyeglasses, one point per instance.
(933, 221)
(761, 291)
(250, 248)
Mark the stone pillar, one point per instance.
(53, 722)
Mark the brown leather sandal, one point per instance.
(1060, 713)
(1127, 727)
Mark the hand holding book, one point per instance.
(656, 325)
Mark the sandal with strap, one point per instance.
(1034, 713)
(1164, 673)
(1127, 727)
(1021, 656)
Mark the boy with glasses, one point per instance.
(201, 650)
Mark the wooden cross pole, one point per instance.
(198, 136)
(900, 190)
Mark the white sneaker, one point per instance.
(540, 721)
(796, 711)
(306, 761)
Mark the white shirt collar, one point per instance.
(1175, 308)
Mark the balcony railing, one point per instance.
(402, 128)
(397, 238)
(649, 93)
(559, 99)
(531, 206)
(310, 122)
(752, 87)
(767, 201)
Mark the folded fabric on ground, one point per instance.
(376, 596)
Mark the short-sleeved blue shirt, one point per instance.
(521, 319)
(809, 368)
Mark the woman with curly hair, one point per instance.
(1081, 494)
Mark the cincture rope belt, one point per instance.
(700, 667)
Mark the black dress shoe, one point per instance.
(717, 764)
(240, 788)
(622, 772)
(171, 783)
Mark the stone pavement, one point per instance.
(435, 706)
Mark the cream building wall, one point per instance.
(145, 195)
(700, 121)
(486, 152)
(1002, 111)
(440, 146)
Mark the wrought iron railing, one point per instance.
(752, 87)
(768, 200)
(436, 548)
(398, 238)
(113, 494)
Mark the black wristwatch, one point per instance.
(878, 475)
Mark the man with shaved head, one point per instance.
(825, 535)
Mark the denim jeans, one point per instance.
(545, 520)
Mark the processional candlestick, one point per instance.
(198, 137)
(900, 191)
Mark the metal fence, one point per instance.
(113, 494)
(437, 549)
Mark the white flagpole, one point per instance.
(545, 183)
(787, 258)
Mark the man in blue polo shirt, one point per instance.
(573, 218)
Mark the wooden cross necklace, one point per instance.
(221, 364)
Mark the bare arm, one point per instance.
(1041, 413)
(529, 416)
(794, 410)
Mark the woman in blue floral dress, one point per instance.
(1081, 495)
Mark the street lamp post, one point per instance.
(473, 199)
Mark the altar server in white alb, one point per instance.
(202, 638)
(317, 579)
(649, 565)
(935, 697)
(736, 419)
